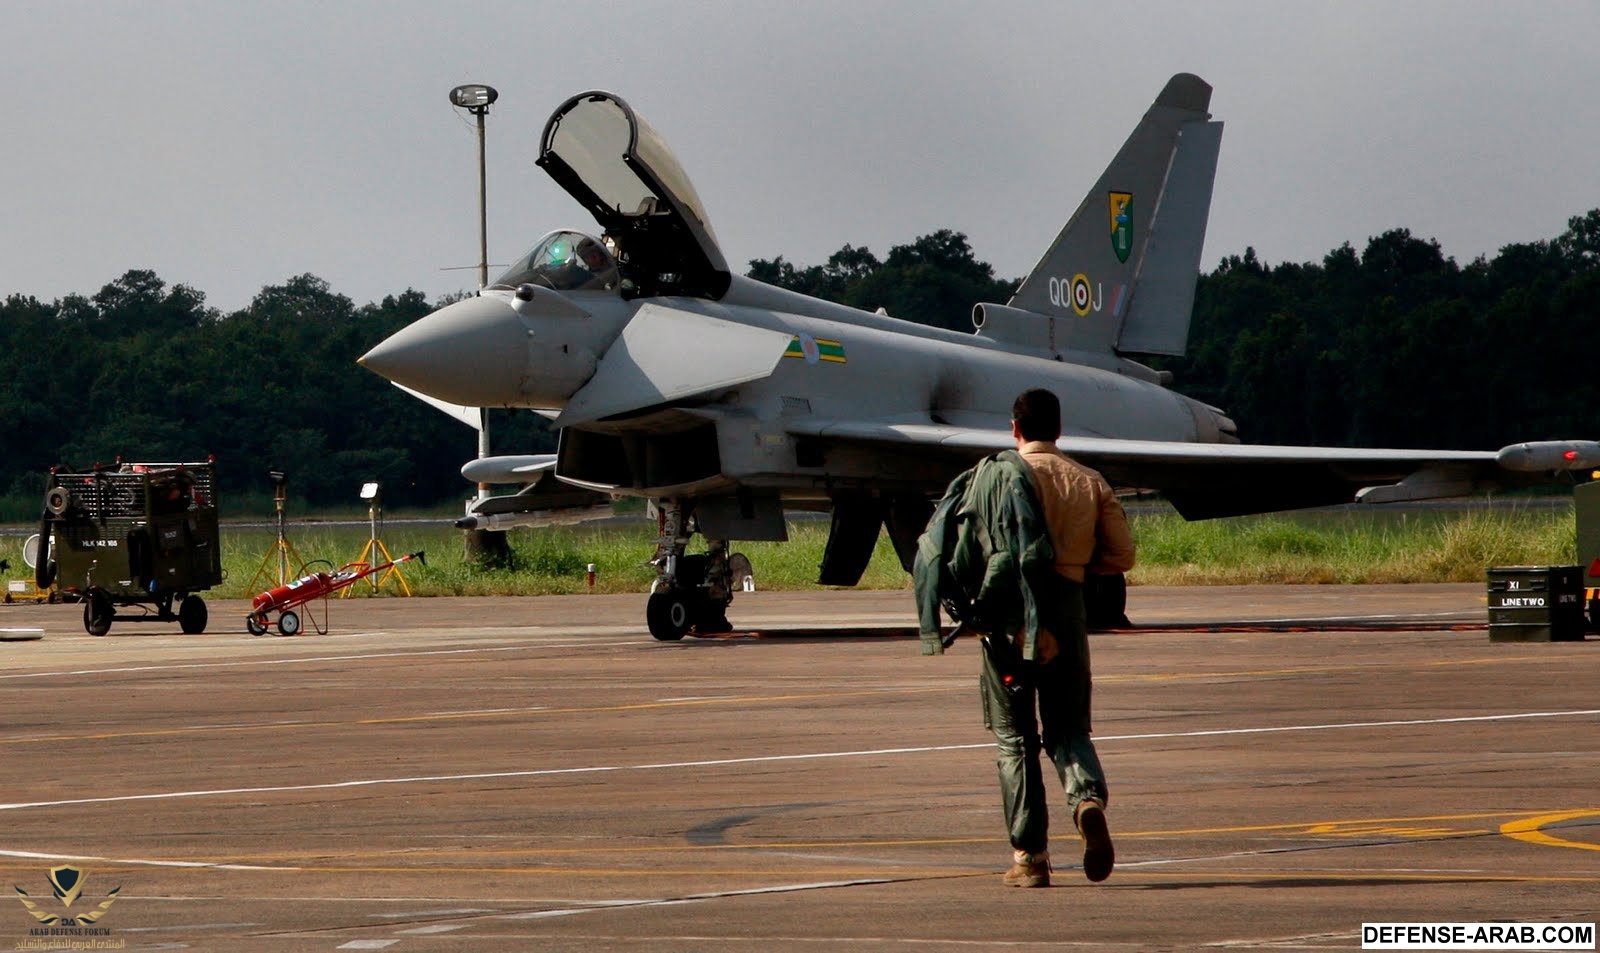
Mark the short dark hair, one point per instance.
(1037, 413)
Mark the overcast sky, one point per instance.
(231, 146)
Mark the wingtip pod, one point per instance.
(1186, 91)
(1549, 455)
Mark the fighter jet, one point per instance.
(727, 402)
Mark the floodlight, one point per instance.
(475, 99)
(369, 491)
(474, 96)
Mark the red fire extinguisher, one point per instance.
(301, 590)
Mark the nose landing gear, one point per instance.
(690, 592)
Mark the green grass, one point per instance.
(1337, 547)
(544, 561)
(1405, 547)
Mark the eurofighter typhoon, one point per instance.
(726, 401)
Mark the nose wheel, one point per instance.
(668, 614)
(690, 592)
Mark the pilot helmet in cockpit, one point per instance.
(564, 261)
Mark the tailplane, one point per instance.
(1121, 275)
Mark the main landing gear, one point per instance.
(690, 592)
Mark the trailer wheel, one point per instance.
(44, 566)
(97, 612)
(256, 625)
(192, 615)
(289, 623)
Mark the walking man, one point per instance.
(1036, 657)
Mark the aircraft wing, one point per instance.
(1206, 480)
(471, 416)
(644, 367)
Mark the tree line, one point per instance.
(1394, 345)
(147, 372)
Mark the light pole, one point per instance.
(476, 98)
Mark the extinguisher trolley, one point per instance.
(285, 599)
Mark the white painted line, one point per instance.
(417, 914)
(485, 711)
(30, 855)
(317, 659)
(437, 928)
(768, 759)
(1337, 726)
(367, 944)
(696, 898)
(184, 928)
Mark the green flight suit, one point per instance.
(990, 537)
(1060, 691)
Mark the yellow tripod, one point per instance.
(281, 551)
(374, 547)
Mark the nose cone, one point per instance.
(474, 352)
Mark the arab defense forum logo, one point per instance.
(67, 882)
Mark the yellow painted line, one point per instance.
(894, 872)
(459, 716)
(1325, 669)
(1366, 826)
(1239, 673)
(1525, 826)
(1492, 660)
(1529, 830)
(899, 873)
(1381, 876)
(1308, 826)
(1156, 677)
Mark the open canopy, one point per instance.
(598, 149)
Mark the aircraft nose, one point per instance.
(473, 352)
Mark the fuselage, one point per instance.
(535, 348)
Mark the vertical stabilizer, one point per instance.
(1121, 275)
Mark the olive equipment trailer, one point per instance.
(138, 534)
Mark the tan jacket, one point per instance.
(1087, 525)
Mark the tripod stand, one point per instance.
(281, 550)
(374, 547)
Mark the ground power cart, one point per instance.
(139, 535)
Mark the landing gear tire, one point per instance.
(97, 612)
(289, 623)
(668, 614)
(192, 615)
(255, 624)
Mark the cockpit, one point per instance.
(609, 159)
(564, 261)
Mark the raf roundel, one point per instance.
(1080, 294)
